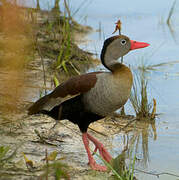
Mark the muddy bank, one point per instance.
(33, 135)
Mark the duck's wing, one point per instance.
(68, 89)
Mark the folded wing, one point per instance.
(72, 87)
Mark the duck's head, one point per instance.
(116, 47)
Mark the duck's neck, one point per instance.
(111, 63)
(109, 58)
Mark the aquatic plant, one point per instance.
(139, 98)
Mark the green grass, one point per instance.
(3, 152)
(139, 98)
(65, 48)
(58, 169)
(6, 155)
(118, 167)
(58, 44)
(144, 107)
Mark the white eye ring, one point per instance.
(123, 41)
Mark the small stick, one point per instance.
(131, 121)
(118, 27)
(97, 132)
(46, 158)
(43, 66)
(157, 174)
(171, 12)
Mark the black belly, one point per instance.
(74, 110)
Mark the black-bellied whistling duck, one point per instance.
(93, 95)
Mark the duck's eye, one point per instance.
(123, 41)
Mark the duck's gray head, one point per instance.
(116, 47)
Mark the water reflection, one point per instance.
(136, 144)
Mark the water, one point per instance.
(143, 21)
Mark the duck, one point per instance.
(86, 98)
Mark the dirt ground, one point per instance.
(34, 135)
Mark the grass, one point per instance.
(139, 98)
(57, 168)
(3, 152)
(67, 56)
(65, 49)
(144, 107)
(55, 41)
(155, 67)
(60, 170)
(51, 168)
(6, 155)
(119, 169)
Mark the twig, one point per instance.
(68, 11)
(45, 142)
(75, 132)
(131, 121)
(46, 157)
(171, 12)
(43, 66)
(42, 139)
(15, 173)
(97, 132)
(76, 70)
(154, 109)
(157, 174)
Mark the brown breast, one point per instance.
(110, 92)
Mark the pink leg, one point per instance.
(99, 146)
(92, 162)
